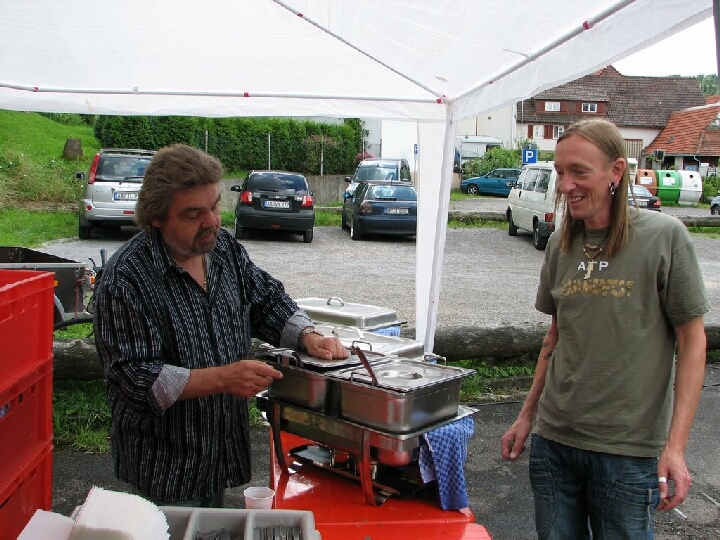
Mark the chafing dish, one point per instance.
(409, 395)
(305, 379)
(336, 311)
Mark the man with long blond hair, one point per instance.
(626, 298)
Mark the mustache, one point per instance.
(212, 230)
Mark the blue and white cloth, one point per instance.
(443, 457)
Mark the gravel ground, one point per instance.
(489, 278)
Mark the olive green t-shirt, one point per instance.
(608, 386)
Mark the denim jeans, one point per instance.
(581, 494)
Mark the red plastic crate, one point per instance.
(26, 320)
(25, 421)
(30, 490)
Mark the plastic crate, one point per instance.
(26, 323)
(30, 490)
(25, 421)
(188, 523)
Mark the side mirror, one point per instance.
(347, 179)
(236, 188)
(80, 175)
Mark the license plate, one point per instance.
(125, 196)
(642, 203)
(276, 204)
(397, 210)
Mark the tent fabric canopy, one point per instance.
(431, 63)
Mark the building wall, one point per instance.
(645, 134)
(499, 123)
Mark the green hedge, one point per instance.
(242, 143)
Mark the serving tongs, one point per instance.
(357, 351)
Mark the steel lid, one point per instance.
(335, 310)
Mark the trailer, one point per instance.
(73, 280)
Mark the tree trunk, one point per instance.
(73, 149)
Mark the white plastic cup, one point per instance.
(259, 497)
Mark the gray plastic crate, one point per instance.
(187, 523)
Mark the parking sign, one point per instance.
(529, 155)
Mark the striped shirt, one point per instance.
(153, 324)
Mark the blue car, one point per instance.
(496, 182)
(387, 208)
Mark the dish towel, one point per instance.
(443, 457)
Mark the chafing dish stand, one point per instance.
(342, 513)
(366, 447)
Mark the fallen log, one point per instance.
(78, 359)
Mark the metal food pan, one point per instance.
(305, 382)
(336, 311)
(422, 395)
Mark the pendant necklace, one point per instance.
(592, 252)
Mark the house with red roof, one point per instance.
(690, 140)
(640, 106)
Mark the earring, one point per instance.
(612, 188)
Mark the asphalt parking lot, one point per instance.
(488, 278)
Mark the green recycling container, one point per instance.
(668, 185)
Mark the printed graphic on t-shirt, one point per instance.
(591, 283)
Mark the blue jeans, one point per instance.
(578, 492)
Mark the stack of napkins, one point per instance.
(113, 515)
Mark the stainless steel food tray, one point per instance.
(335, 310)
(410, 395)
(305, 381)
(346, 435)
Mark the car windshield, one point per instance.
(277, 182)
(376, 172)
(395, 193)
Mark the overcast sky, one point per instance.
(690, 52)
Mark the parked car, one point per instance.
(715, 206)
(388, 208)
(111, 188)
(531, 203)
(274, 200)
(642, 197)
(495, 182)
(375, 170)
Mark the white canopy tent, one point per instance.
(430, 63)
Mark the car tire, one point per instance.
(240, 232)
(355, 230)
(472, 189)
(715, 210)
(343, 222)
(539, 242)
(84, 232)
(308, 236)
(512, 229)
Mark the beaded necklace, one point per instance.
(592, 252)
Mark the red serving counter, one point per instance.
(341, 512)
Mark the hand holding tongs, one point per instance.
(357, 351)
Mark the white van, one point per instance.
(531, 203)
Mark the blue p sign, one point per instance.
(529, 155)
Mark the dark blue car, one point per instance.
(495, 182)
(388, 208)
